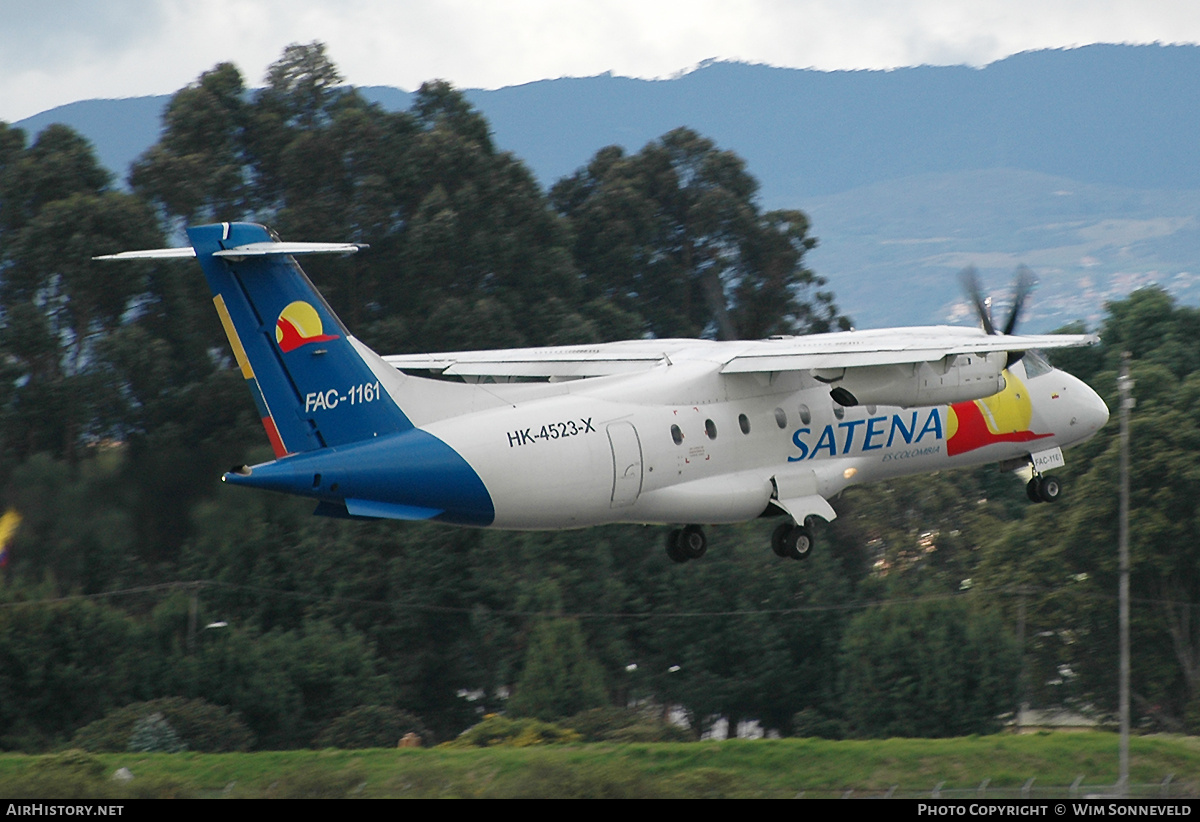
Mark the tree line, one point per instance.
(120, 406)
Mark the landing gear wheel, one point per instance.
(692, 542)
(1033, 489)
(799, 542)
(1051, 489)
(779, 540)
(792, 541)
(675, 547)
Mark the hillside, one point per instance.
(1079, 163)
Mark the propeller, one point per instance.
(969, 278)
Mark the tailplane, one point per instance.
(327, 402)
(308, 376)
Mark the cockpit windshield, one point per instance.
(1035, 364)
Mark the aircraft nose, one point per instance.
(1091, 413)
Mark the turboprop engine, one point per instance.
(956, 378)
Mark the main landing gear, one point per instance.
(686, 543)
(791, 541)
(1043, 488)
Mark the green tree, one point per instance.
(673, 233)
(739, 635)
(197, 171)
(63, 665)
(59, 164)
(1060, 562)
(930, 669)
(465, 250)
(58, 304)
(1164, 530)
(560, 679)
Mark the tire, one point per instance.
(1033, 489)
(692, 542)
(779, 540)
(799, 542)
(675, 546)
(1050, 489)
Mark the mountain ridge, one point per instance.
(857, 147)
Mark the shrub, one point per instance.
(153, 734)
(623, 725)
(811, 722)
(520, 733)
(199, 725)
(371, 726)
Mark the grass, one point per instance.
(735, 768)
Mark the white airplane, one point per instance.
(677, 432)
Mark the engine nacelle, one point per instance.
(957, 378)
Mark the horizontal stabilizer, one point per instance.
(263, 249)
(152, 254)
(248, 250)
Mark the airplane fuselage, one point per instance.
(709, 448)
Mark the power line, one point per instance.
(857, 605)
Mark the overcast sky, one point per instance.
(59, 51)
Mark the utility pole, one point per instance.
(1124, 387)
(1023, 682)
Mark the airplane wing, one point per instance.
(889, 346)
(563, 362)
(846, 349)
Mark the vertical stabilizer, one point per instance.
(311, 386)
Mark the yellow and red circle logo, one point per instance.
(299, 324)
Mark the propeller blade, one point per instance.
(970, 283)
(1024, 285)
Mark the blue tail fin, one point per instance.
(310, 382)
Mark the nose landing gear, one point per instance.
(1043, 488)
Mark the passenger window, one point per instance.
(838, 411)
(676, 434)
(781, 418)
(710, 428)
(805, 415)
(744, 423)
